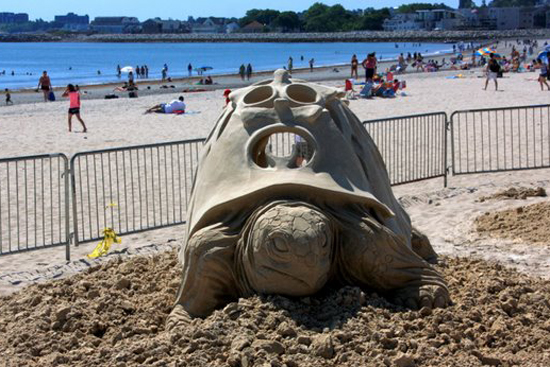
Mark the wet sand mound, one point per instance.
(529, 223)
(114, 314)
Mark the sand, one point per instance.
(498, 330)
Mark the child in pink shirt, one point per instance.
(74, 105)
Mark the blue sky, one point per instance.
(177, 9)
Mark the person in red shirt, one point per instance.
(226, 94)
(74, 105)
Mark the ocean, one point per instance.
(79, 63)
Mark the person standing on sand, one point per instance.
(242, 71)
(290, 64)
(369, 64)
(74, 105)
(354, 65)
(311, 62)
(45, 84)
(190, 69)
(543, 76)
(130, 77)
(492, 69)
(118, 72)
(8, 97)
(248, 71)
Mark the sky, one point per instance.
(178, 9)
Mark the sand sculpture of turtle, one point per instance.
(263, 224)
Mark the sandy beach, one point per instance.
(446, 215)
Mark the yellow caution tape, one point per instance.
(109, 237)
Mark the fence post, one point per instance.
(67, 208)
(446, 149)
(73, 191)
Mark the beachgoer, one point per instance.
(348, 88)
(118, 72)
(142, 71)
(146, 71)
(130, 77)
(354, 65)
(138, 72)
(190, 69)
(311, 62)
(370, 66)
(248, 71)
(226, 94)
(543, 76)
(45, 84)
(8, 97)
(176, 106)
(492, 69)
(208, 80)
(164, 73)
(242, 71)
(74, 105)
(290, 64)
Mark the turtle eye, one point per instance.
(280, 244)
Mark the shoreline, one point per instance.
(222, 81)
(354, 36)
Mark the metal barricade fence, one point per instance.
(414, 148)
(132, 189)
(34, 203)
(500, 139)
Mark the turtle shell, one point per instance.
(344, 168)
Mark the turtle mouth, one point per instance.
(307, 288)
(282, 146)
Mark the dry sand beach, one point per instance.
(113, 313)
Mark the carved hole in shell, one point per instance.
(258, 95)
(289, 147)
(301, 93)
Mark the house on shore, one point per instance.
(116, 25)
(253, 27)
(157, 26)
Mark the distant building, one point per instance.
(253, 27)
(232, 27)
(72, 18)
(72, 22)
(6, 18)
(116, 25)
(512, 17)
(157, 25)
(428, 20)
(208, 25)
(402, 22)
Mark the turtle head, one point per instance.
(289, 250)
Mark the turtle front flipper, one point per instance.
(208, 277)
(374, 256)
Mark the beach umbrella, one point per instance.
(486, 51)
(127, 69)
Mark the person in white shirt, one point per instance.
(176, 106)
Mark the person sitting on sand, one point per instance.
(208, 80)
(176, 106)
(350, 92)
(74, 105)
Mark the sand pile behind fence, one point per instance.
(526, 223)
(114, 315)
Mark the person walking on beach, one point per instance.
(290, 64)
(74, 105)
(354, 65)
(190, 69)
(8, 97)
(311, 62)
(543, 76)
(242, 71)
(248, 71)
(369, 64)
(118, 72)
(492, 69)
(45, 84)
